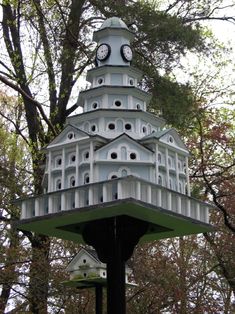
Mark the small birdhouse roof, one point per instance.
(111, 26)
(83, 252)
(68, 135)
(167, 136)
(123, 138)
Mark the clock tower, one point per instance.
(113, 40)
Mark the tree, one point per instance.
(47, 47)
(12, 178)
(214, 169)
(178, 276)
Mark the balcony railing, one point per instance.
(111, 190)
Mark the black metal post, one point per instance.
(114, 240)
(98, 299)
(116, 297)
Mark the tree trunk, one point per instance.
(39, 274)
(9, 270)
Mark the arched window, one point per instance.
(131, 81)
(72, 181)
(86, 178)
(93, 128)
(170, 139)
(124, 172)
(123, 153)
(58, 161)
(72, 158)
(58, 184)
(86, 155)
(159, 158)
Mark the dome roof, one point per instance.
(113, 22)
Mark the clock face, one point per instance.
(103, 52)
(126, 53)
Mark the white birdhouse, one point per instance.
(115, 158)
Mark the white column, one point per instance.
(198, 211)
(119, 189)
(188, 213)
(156, 164)
(63, 169)
(105, 193)
(37, 207)
(49, 172)
(91, 162)
(90, 195)
(177, 172)
(179, 209)
(206, 214)
(149, 194)
(63, 202)
(167, 169)
(50, 204)
(138, 190)
(77, 166)
(169, 201)
(159, 197)
(23, 210)
(77, 198)
(187, 177)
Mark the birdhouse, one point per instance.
(86, 270)
(115, 159)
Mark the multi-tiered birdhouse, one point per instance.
(115, 159)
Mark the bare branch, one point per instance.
(33, 101)
(16, 127)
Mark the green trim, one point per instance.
(163, 223)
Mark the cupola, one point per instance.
(113, 40)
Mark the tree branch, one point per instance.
(16, 127)
(226, 215)
(68, 55)
(47, 54)
(32, 101)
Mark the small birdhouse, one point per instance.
(86, 270)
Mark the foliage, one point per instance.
(177, 276)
